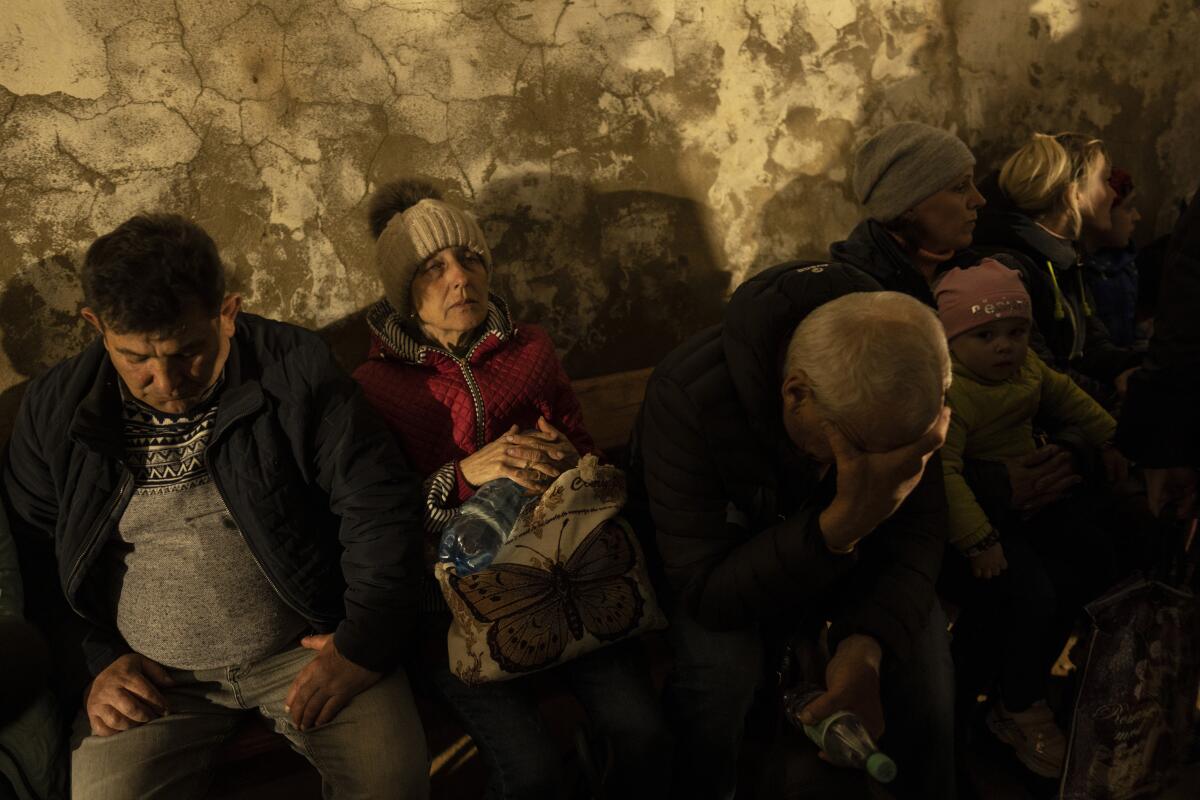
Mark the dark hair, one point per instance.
(146, 275)
(396, 197)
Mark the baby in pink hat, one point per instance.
(999, 386)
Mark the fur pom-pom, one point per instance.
(395, 198)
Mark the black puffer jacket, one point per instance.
(736, 507)
(1063, 308)
(1160, 422)
(317, 486)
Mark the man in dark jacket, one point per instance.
(232, 523)
(784, 469)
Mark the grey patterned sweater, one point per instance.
(185, 587)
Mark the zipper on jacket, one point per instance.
(464, 366)
(476, 399)
(250, 547)
(94, 536)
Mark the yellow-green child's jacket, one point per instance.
(994, 421)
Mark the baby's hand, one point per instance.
(1116, 467)
(989, 563)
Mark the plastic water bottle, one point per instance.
(841, 736)
(482, 524)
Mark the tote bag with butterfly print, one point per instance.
(570, 579)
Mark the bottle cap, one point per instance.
(881, 768)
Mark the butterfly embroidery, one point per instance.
(532, 609)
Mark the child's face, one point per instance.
(995, 350)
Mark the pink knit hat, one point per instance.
(968, 298)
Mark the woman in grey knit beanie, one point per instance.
(916, 185)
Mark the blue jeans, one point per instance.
(524, 761)
(717, 674)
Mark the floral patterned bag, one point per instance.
(570, 578)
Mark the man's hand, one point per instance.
(326, 684)
(989, 563)
(126, 694)
(526, 459)
(1171, 491)
(1041, 477)
(852, 684)
(871, 486)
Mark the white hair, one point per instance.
(876, 363)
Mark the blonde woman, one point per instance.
(1048, 191)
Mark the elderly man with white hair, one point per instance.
(788, 458)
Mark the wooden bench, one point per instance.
(256, 762)
(610, 406)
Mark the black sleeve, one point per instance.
(31, 500)
(1101, 359)
(378, 499)
(28, 486)
(893, 592)
(101, 648)
(726, 577)
(1160, 421)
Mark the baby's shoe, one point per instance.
(1033, 734)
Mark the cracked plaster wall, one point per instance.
(631, 160)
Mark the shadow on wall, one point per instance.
(618, 278)
(35, 332)
(795, 220)
(1081, 69)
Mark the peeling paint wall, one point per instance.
(631, 160)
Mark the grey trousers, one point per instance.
(374, 748)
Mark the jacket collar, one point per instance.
(876, 252)
(97, 419)
(241, 394)
(1002, 224)
(873, 250)
(395, 339)
(1030, 236)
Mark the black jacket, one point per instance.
(1063, 307)
(873, 250)
(317, 486)
(1160, 421)
(736, 507)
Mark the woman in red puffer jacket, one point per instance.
(474, 397)
(448, 369)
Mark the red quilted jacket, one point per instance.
(443, 407)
